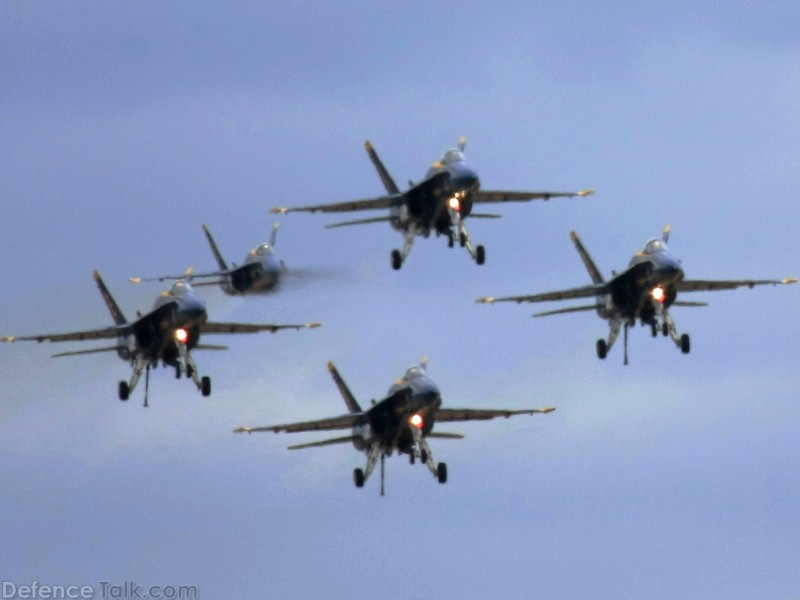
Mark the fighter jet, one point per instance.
(400, 422)
(440, 203)
(261, 272)
(645, 291)
(167, 333)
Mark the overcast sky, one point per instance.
(126, 127)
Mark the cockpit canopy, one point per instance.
(179, 287)
(263, 250)
(414, 372)
(451, 156)
(653, 246)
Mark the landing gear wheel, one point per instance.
(441, 472)
(411, 458)
(665, 330)
(685, 345)
(423, 457)
(189, 370)
(205, 386)
(449, 240)
(462, 239)
(358, 478)
(654, 329)
(177, 371)
(480, 255)
(602, 349)
(397, 260)
(124, 390)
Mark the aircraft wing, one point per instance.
(341, 422)
(188, 276)
(501, 196)
(212, 327)
(114, 331)
(710, 285)
(349, 206)
(448, 415)
(586, 291)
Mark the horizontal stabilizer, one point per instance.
(92, 351)
(483, 216)
(441, 435)
(202, 283)
(210, 347)
(342, 440)
(684, 303)
(561, 311)
(359, 222)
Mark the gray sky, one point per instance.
(127, 127)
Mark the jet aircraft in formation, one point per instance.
(403, 420)
(440, 203)
(168, 333)
(261, 272)
(399, 422)
(645, 290)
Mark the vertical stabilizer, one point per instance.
(116, 313)
(215, 250)
(349, 399)
(388, 182)
(273, 236)
(594, 272)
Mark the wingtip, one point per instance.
(485, 300)
(135, 279)
(313, 325)
(8, 339)
(790, 280)
(279, 210)
(368, 146)
(584, 193)
(96, 275)
(243, 430)
(547, 409)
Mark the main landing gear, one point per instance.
(125, 388)
(667, 328)
(420, 449)
(459, 230)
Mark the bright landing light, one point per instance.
(454, 203)
(181, 335)
(658, 294)
(416, 421)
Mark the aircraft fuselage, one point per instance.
(411, 402)
(177, 313)
(260, 273)
(448, 184)
(651, 276)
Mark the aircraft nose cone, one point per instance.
(465, 178)
(193, 311)
(670, 269)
